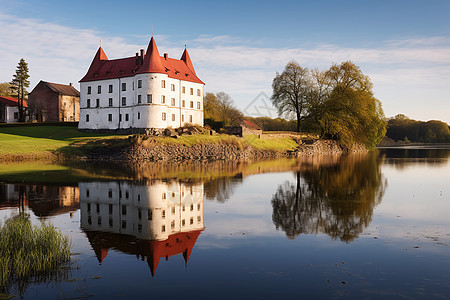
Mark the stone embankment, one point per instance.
(210, 152)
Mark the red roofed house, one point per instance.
(9, 112)
(54, 102)
(142, 91)
(245, 128)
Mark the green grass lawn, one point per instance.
(23, 140)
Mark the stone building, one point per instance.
(9, 111)
(142, 91)
(53, 102)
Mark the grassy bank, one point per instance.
(40, 142)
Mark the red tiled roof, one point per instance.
(152, 251)
(251, 125)
(10, 101)
(102, 68)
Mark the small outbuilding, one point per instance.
(245, 128)
(9, 110)
(54, 102)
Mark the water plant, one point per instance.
(31, 253)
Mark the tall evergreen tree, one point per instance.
(19, 84)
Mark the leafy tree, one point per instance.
(19, 84)
(5, 89)
(291, 91)
(220, 108)
(401, 128)
(351, 112)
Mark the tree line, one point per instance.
(337, 103)
(402, 128)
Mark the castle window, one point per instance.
(88, 207)
(163, 116)
(149, 215)
(191, 220)
(99, 89)
(110, 88)
(163, 228)
(110, 102)
(89, 220)
(192, 207)
(163, 196)
(124, 210)
(173, 210)
(97, 102)
(183, 103)
(183, 222)
(198, 92)
(124, 224)
(192, 91)
(183, 90)
(126, 117)
(124, 101)
(16, 115)
(99, 220)
(139, 84)
(163, 84)
(139, 227)
(190, 118)
(124, 86)
(87, 118)
(133, 85)
(199, 219)
(198, 105)
(182, 118)
(127, 195)
(172, 87)
(98, 207)
(87, 193)
(172, 101)
(139, 116)
(191, 104)
(149, 98)
(198, 207)
(88, 103)
(139, 214)
(163, 99)
(172, 224)
(139, 98)
(110, 209)
(109, 117)
(89, 90)
(110, 222)
(110, 194)
(163, 214)
(120, 118)
(173, 117)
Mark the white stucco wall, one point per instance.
(144, 114)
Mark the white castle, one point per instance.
(143, 91)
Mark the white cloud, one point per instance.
(401, 70)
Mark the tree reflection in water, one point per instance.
(336, 199)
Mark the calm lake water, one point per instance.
(365, 226)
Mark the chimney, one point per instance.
(142, 53)
(71, 84)
(166, 56)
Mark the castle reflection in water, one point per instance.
(151, 220)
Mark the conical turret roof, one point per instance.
(152, 61)
(187, 60)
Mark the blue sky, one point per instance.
(238, 46)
